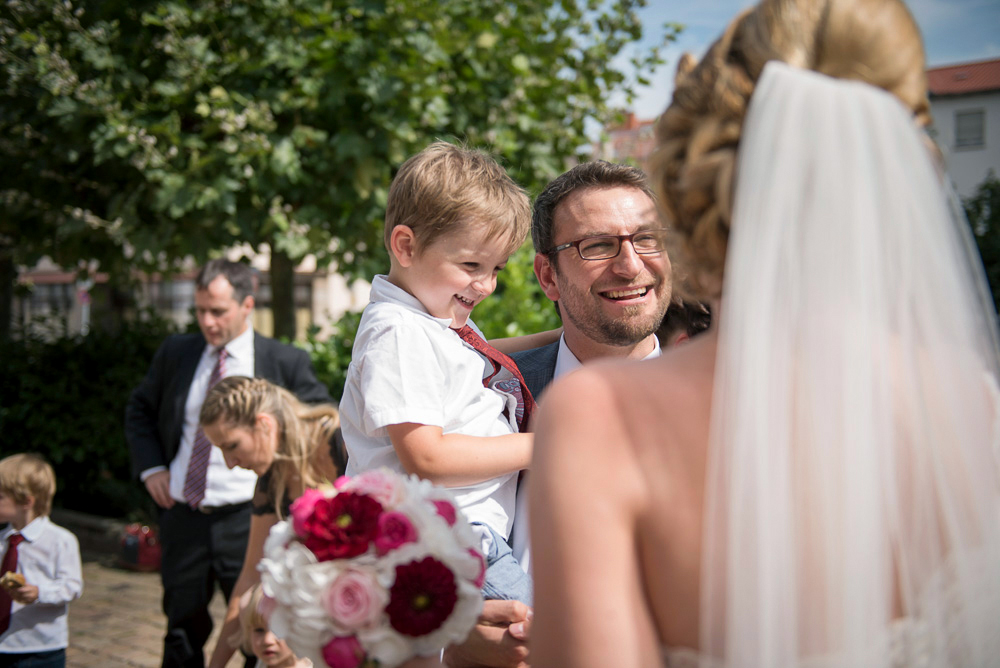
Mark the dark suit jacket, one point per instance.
(537, 365)
(154, 415)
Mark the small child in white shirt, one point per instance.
(33, 611)
(415, 399)
(257, 637)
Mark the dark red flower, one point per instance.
(446, 510)
(345, 652)
(342, 526)
(422, 597)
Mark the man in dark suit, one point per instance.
(204, 506)
(600, 256)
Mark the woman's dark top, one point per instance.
(263, 504)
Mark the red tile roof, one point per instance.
(964, 78)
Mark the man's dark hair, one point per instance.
(241, 276)
(596, 174)
(690, 317)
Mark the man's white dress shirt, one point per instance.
(223, 486)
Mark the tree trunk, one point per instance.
(283, 294)
(7, 277)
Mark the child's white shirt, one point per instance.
(408, 366)
(49, 558)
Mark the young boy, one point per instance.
(415, 400)
(33, 610)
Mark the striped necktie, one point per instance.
(194, 480)
(9, 565)
(515, 386)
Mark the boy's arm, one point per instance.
(455, 460)
(515, 344)
(67, 585)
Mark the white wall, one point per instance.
(968, 166)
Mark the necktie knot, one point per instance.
(14, 540)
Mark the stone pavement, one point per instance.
(117, 623)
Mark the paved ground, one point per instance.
(117, 623)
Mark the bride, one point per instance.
(815, 481)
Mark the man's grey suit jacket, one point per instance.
(537, 365)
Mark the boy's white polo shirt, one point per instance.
(408, 366)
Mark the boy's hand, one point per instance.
(25, 594)
(499, 640)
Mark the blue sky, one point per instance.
(954, 31)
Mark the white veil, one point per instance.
(853, 505)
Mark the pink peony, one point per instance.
(344, 652)
(380, 484)
(354, 600)
(302, 508)
(394, 529)
(446, 510)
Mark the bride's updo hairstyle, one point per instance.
(875, 41)
(236, 401)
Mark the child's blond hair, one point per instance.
(447, 188)
(252, 617)
(23, 475)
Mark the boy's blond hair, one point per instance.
(447, 188)
(23, 475)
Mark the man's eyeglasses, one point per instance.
(606, 247)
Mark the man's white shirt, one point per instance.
(223, 486)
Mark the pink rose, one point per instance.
(354, 600)
(481, 578)
(302, 508)
(341, 482)
(380, 484)
(446, 510)
(345, 652)
(394, 529)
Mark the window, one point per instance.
(970, 129)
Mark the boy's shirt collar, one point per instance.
(31, 531)
(384, 290)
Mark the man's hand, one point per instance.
(158, 486)
(26, 594)
(499, 640)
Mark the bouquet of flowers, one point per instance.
(373, 572)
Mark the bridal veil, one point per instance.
(853, 507)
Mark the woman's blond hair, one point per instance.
(874, 41)
(236, 401)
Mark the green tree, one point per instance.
(983, 211)
(142, 132)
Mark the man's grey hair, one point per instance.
(241, 276)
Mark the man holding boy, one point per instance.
(600, 256)
(40, 570)
(204, 506)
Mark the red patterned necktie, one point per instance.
(9, 565)
(525, 402)
(194, 479)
